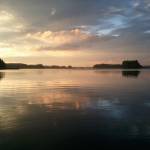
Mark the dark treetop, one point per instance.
(127, 64)
(2, 64)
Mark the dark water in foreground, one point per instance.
(66, 109)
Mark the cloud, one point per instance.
(60, 37)
(75, 39)
(98, 25)
(53, 11)
(70, 13)
(9, 23)
(13, 40)
(136, 3)
(147, 32)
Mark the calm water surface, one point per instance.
(49, 109)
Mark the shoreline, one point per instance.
(126, 64)
(78, 68)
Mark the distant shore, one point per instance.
(127, 64)
(67, 68)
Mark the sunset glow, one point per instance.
(74, 74)
(53, 32)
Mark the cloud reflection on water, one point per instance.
(101, 102)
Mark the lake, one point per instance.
(49, 109)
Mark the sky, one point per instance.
(74, 32)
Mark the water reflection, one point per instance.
(2, 75)
(74, 107)
(130, 73)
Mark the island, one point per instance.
(126, 64)
(131, 64)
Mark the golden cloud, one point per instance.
(60, 37)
